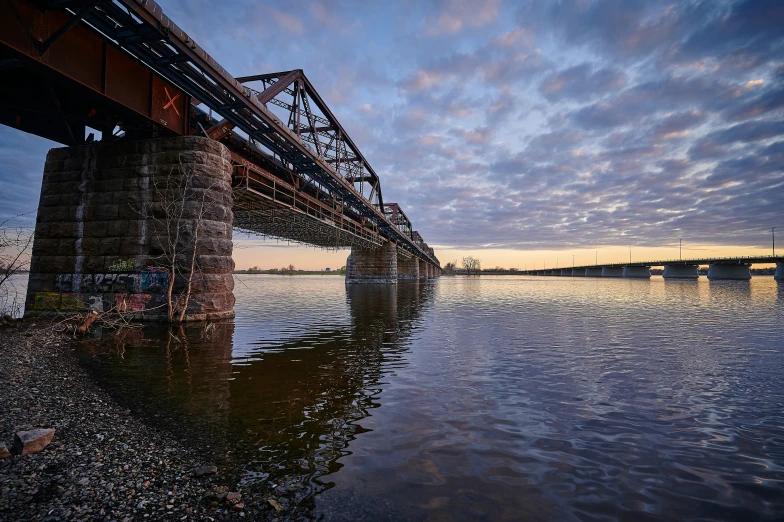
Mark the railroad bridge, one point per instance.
(261, 153)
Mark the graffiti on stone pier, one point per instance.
(122, 266)
(68, 302)
(154, 280)
(94, 302)
(120, 291)
(96, 283)
(58, 301)
(131, 302)
(151, 280)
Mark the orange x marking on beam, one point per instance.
(170, 103)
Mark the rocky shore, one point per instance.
(102, 463)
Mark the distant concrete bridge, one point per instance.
(737, 268)
(272, 155)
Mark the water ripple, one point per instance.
(492, 398)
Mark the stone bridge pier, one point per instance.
(385, 266)
(372, 266)
(408, 270)
(101, 240)
(424, 271)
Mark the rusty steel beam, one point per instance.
(219, 130)
(270, 92)
(65, 71)
(42, 47)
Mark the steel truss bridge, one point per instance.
(122, 67)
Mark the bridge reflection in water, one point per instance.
(283, 416)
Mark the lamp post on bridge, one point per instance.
(572, 260)
(680, 248)
(773, 237)
(630, 253)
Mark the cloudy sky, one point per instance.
(525, 130)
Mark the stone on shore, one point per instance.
(26, 442)
(4, 453)
(205, 470)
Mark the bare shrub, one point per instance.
(16, 241)
(175, 217)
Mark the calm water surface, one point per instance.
(492, 398)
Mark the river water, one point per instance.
(484, 398)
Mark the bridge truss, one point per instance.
(298, 175)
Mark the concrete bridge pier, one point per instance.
(779, 272)
(593, 272)
(637, 272)
(578, 272)
(681, 272)
(408, 270)
(612, 271)
(566, 272)
(718, 272)
(372, 266)
(100, 237)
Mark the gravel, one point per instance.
(103, 463)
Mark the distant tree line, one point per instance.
(288, 270)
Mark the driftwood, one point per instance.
(85, 323)
(79, 324)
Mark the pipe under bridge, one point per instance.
(719, 268)
(124, 69)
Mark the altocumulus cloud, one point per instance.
(554, 124)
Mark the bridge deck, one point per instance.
(738, 260)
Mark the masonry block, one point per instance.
(99, 219)
(372, 266)
(408, 270)
(423, 272)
